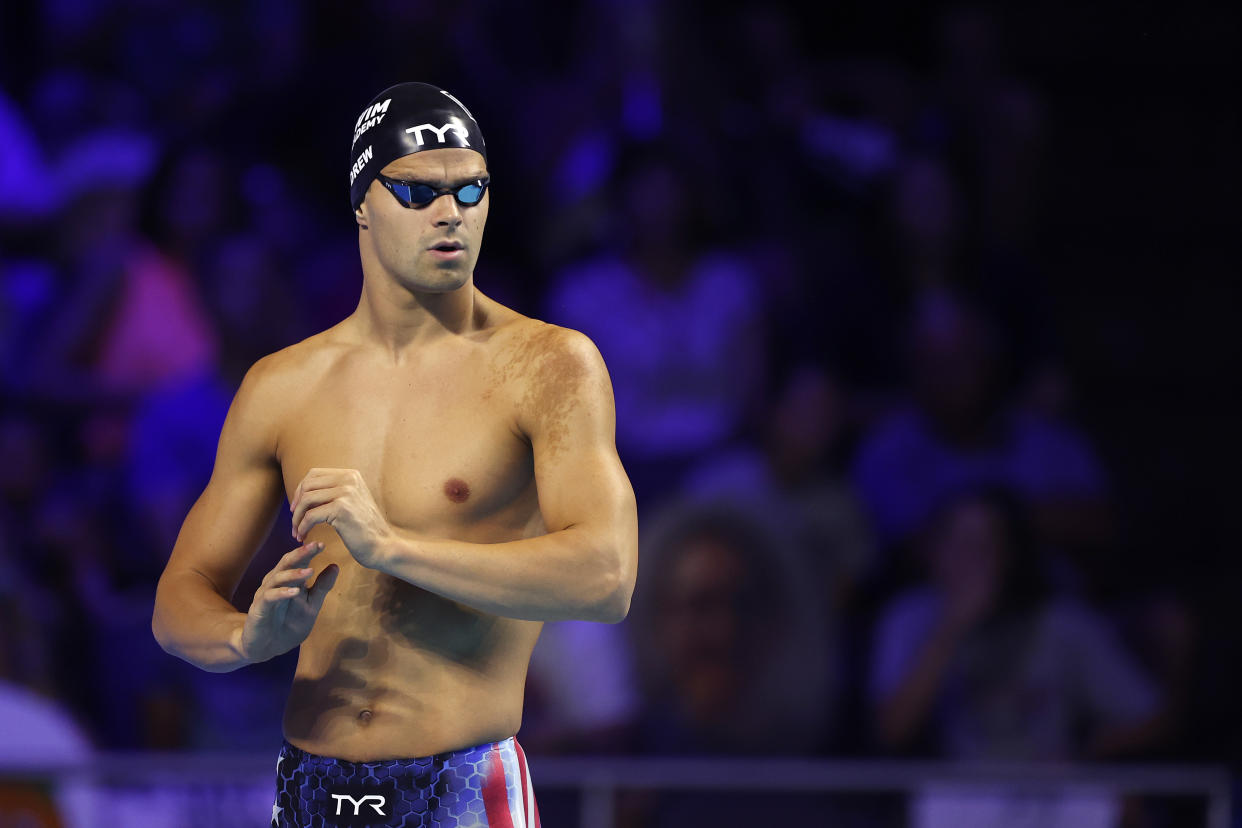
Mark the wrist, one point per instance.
(385, 550)
(395, 553)
(236, 641)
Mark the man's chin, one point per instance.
(441, 282)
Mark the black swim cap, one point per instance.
(404, 119)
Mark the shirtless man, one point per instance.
(451, 469)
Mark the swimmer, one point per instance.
(452, 474)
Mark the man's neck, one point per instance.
(396, 318)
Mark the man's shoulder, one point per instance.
(284, 371)
(533, 340)
(545, 365)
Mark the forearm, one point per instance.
(569, 574)
(195, 623)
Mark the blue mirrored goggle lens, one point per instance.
(470, 194)
(419, 194)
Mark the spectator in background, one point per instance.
(35, 725)
(680, 326)
(728, 638)
(957, 429)
(171, 451)
(104, 589)
(797, 475)
(983, 662)
(172, 440)
(130, 317)
(581, 694)
(38, 731)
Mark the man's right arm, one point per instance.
(193, 617)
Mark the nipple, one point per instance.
(457, 490)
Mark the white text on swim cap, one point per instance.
(371, 116)
(439, 131)
(363, 158)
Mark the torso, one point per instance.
(391, 670)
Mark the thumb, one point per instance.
(322, 584)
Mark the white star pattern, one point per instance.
(276, 809)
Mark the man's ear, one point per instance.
(360, 215)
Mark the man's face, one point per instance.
(404, 240)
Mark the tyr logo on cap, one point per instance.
(439, 131)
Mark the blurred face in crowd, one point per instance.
(805, 424)
(403, 240)
(968, 546)
(953, 369)
(703, 615)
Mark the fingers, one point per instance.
(326, 513)
(275, 595)
(290, 577)
(291, 568)
(319, 478)
(267, 598)
(290, 584)
(298, 557)
(284, 584)
(308, 501)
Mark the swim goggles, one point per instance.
(416, 195)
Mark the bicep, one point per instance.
(571, 423)
(236, 510)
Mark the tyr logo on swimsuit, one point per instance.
(378, 804)
(359, 805)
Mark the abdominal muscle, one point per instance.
(393, 671)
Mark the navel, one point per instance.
(364, 716)
(457, 490)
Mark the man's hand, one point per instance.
(284, 608)
(340, 498)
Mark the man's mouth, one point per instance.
(447, 249)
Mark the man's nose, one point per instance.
(447, 212)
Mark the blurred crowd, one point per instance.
(872, 522)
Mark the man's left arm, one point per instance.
(583, 568)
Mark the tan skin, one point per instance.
(454, 482)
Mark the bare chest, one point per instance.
(436, 446)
